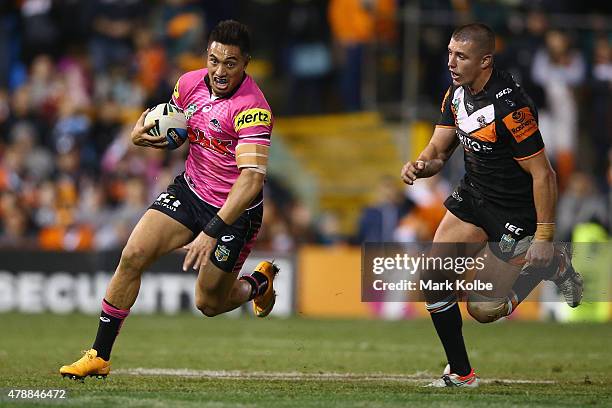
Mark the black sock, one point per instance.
(108, 329)
(524, 284)
(531, 277)
(448, 324)
(258, 282)
(262, 282)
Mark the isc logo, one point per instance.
(502, 93)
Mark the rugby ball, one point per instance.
(170, 122)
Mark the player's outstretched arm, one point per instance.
(433, 157)
(140, 137)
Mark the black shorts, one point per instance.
(235, 242)
(509, 230)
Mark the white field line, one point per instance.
(418, 377)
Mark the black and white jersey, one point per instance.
(497, 127)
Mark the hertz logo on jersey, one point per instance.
(176, 90)
(521, 124)
(252, 117)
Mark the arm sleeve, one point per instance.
(524, 134)
(253, 124)
(447, 116)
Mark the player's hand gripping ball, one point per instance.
(169, 121)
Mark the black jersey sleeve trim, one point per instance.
(530, 156)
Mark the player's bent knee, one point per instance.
(487, 310)
(480, 313)
(133, 258)
(208, 309)
(207, 305)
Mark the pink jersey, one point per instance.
(216, 126)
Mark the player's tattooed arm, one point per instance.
(431, 160)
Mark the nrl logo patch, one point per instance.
(222, 253)
(506, 243)
(191, 109)
(456, 196)
(456, 105)
(469, 106)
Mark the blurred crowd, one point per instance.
(75, 75)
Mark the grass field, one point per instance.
(188, 361)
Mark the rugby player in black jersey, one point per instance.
(506, 198)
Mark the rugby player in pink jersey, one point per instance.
(214, 209)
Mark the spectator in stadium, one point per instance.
(581, 202)
(44, 214)
(309, 62)
(16, 229)
(21, 110)
(421, 222)
(8, 28)
(5, 113)
(40, 32)
(600, 112)
(353, 25)
(377, 223)
(214, 209)
(38, 161)
(150, 58)
(113, 23)
(517, 57)
(65, 233)
(559, 69)
(181, 24)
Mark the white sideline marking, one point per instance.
(418, 377)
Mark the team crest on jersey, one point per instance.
(222, 253)
(215, 125)
(191, 109)
(482, 121)
(506, 243)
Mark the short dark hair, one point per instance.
(480, 34)
(231, 32)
